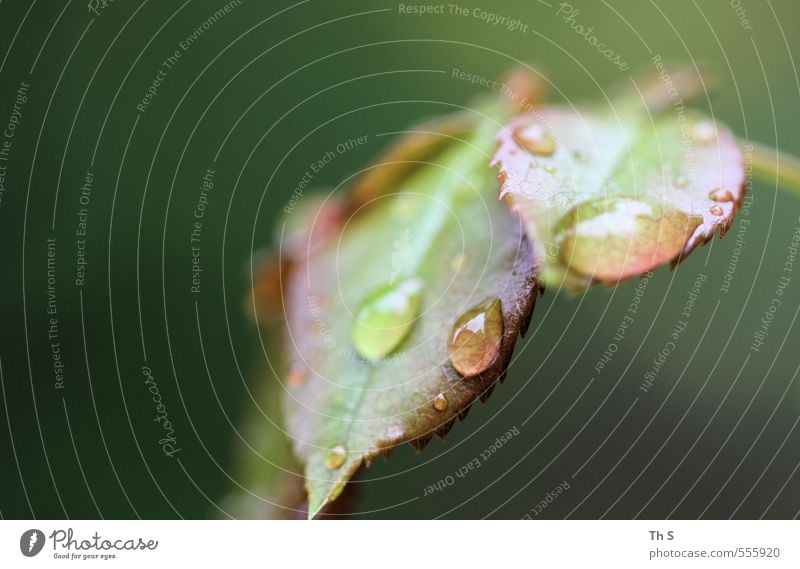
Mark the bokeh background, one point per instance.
(255, 97)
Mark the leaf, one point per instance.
(371, 314)
(413, 312)
(521, 90)
(408, 153)
(607, 197)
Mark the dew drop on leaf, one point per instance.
(457, 262)
(476, 338)
(721, 195)
(535, 139)
(385, 318)
(335, 457)
(440, 402)
(614, 238)
(704, 133)
(407, 206)
(297, 376)
(581, 156)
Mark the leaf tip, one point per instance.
(325, 485)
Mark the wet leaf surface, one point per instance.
(606, 197)
(398, 323)
(380, 376)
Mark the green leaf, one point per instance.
(371, 315)
(605, 197)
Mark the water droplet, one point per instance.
(297, 376)
(457, 263)
(407, 206)
(716, 210)
(550, 168)
(721, 195)
(611, 239)
(536, 139)
(681, 182)
(335, 457)
(581, 156)
(476, 338)
(440, 402)
(704, 133)
(385, 318)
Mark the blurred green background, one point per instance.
(256, 95)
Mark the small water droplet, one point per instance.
(385, 318)
(704, 132)
(534, 138)
(335, 457)
(716, 210)
(440, 402)
(406, 206)
(681, 182)
(614, 238)
(581, 156)
(297, 376)
(549, 168)
(457, 262)
(721, 195)
(476, 338)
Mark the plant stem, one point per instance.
(771, 164)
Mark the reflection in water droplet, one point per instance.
(534, 138)
(721, 195)
(550, 168)
(610, 239)
(385, 318)
(335, 457)
(716, 210)
(440, 402)
(476, 338)
(704, 133)
(297, 376)
(681, 182)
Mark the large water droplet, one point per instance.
(476, 338)
(534, 138)
(440, 402)
(721, 195)
(385, 318)
(335, 457)
(611, 239)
